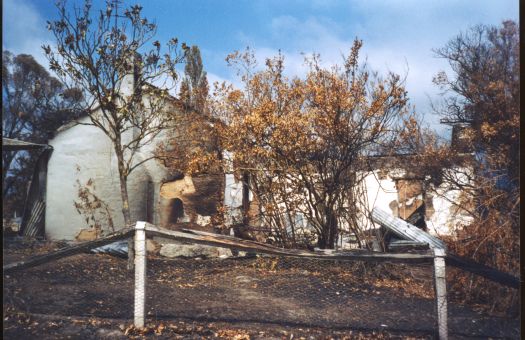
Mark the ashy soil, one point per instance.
(90, 296)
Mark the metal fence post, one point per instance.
(441, 292)
(140, 274)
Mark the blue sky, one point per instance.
(398, 35)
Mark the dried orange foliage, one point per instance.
(483, 97)
(296, 142)
(299, 142)
(194, 146)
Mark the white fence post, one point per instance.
(441, 292)
(140, 274)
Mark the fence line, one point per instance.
(410, 232)
(439, 257)
(200, 237)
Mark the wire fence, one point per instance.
(293, 291)
(276, 291)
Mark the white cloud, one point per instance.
(214, 78)
(323, 36)
(300, 38)
(24, 30)
(313, 34)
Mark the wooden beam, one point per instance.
(230, 242)
(67, 251)
(403, 246)
(482, 270)
(9, 144)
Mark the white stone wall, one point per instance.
(233, 199)
(446, 217)
(381, 192)
(88, 148)
(91, 150)
(157, 173)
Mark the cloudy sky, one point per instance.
(398, 35)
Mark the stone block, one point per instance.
(87, 235)
(192, 250)
(203, 220)
(152, 246)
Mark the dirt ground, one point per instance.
(90, 296)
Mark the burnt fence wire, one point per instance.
(297, 291)
(292, 291)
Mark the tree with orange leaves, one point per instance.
(481, 101)
(482, 95)
(301, 141)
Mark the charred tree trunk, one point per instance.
(7, 158)
(328, 237)
(123, 177)
(332, 228)
(321, 242)
(245, 197)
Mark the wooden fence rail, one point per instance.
(201, 237)
(68, 251)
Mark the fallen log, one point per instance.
(483, 270)
(68, 251)
(224, 241)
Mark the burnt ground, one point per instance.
(90, 296)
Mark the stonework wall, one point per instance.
(190, 199)
(392, 190)
(233, 199)
(447, 216)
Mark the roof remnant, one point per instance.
(406, 230)
(9, 144)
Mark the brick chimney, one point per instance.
(460, 140)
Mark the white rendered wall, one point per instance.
(232, 199)
(380, 191)
(445, 219)
(88, 148)
(448, 217)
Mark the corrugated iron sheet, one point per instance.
(405, 230)
(33, 220)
